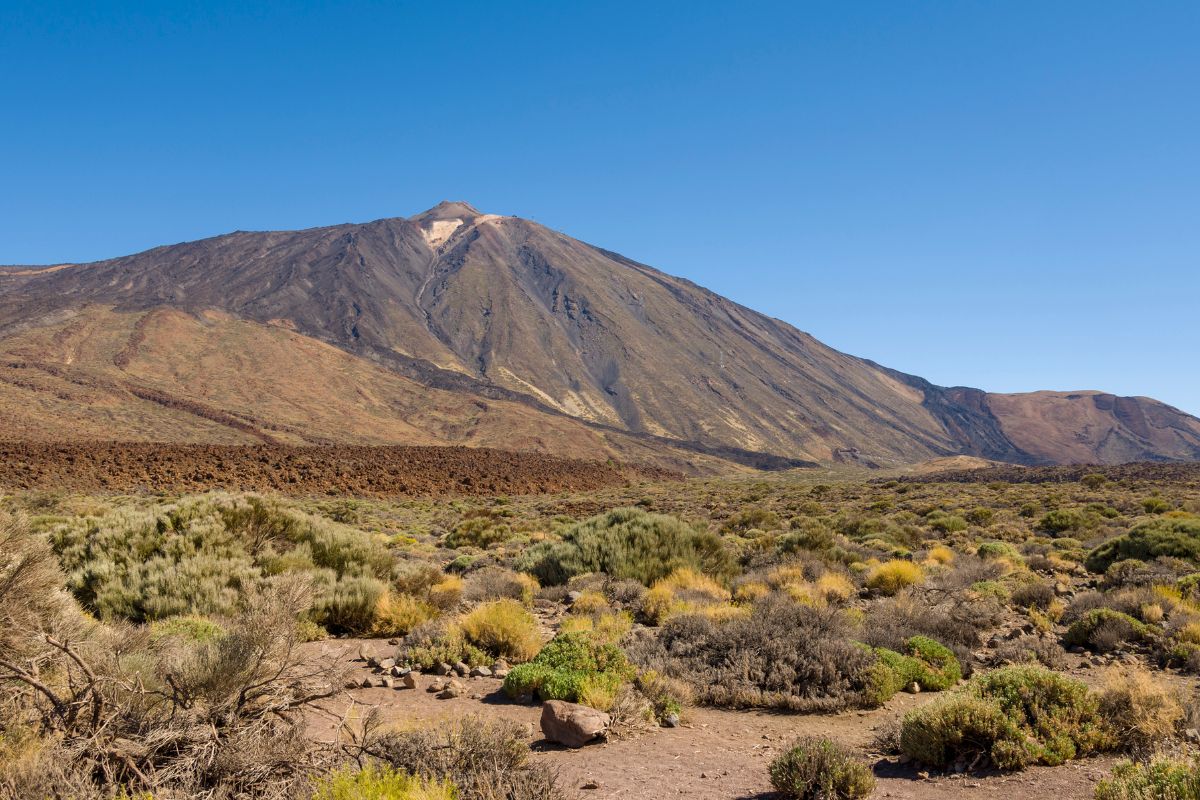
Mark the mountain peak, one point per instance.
(447, 210)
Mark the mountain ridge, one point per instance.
(505, 309)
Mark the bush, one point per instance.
(439, 643)
(782, 655)
(1105, 630)
(996, 550)
(1063, 520)
(926, 663)
(190, 628)
(398, 615)
(204, 555)
(504, 629)
(1141, 712)
(1160, 779)
(576, 667)
(892, 576)
(1178, 538)
(628, 543)
(380, 783)
(1016, 716)
(819, 769)
(485, 759)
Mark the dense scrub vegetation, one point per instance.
(788, 594)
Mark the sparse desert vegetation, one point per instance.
(171, 646)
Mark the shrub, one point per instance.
(498, 583)
(576, 667)
(1105, 630)
(1141, 712)
(940, 555)
(1155, 505)
(438, 643)
(398, 615)
(782, 655)
(981, 516)
(819, 769)
(1177, 537)
(350, 606)
(1063, 520)
(1015, 715)
(997, 550)
(380, 783)
(628, 543)
(947, 523)
(892, 576)
(446, 593)
(926, 663)
(1033, 594)
(484, 759)
(504, 629)
(683, 591)
(1160, 779)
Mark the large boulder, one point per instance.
(571, 724)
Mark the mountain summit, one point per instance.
(456, 326)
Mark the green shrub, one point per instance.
(947, 523)
(996, 550)
(628, 543)
(1104, 630)
(819, 769)
(1017, 716)
(1177, 538)
(380, 783)
(1160, 779)
(1155, 505)
(1063, 520)
(926, 663)
(204, 555)
(572, 667)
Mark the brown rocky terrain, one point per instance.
(337, 470)
(458, 327)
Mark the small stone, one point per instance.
(461, 669)
(442, 668)
(386, 683)
(436, 686)
(589, 785)
(481, 672)
(1192, 735)
(500, 673)
(351, 684)
(408, 681)
(387, 663)
(365, 683)
(500, 664)
(914, 688)
(452, 689)
(393, 642)
(573, 597)
(671, 721)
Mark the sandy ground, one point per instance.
(716, 754)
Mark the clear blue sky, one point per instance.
(997, 194)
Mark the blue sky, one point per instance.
(1003, 195)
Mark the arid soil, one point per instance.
(303, 471)
(715, 754)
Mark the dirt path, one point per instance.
(717, 754)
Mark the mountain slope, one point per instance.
(498, 308)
